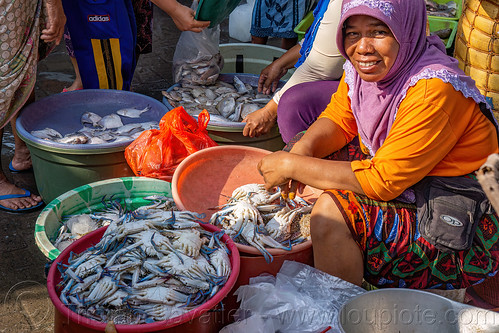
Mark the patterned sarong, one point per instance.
(19, 54)
(397, 256)
(277, 18)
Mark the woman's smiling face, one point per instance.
(370, 46)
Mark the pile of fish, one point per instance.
(100, 130)
(225, 102)
(259, 218)
(448, 9)
(74, 227)
(151, 264)
(203, 70)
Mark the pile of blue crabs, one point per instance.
(75, 226)
(151, 264)
(260, 218)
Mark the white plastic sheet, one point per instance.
(299, 299)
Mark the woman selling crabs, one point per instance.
(417, 115)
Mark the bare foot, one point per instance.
(22, 159)
(77, 85)
(7, 188)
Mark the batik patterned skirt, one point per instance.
(19, 53)
(277, 18)
(395, 253)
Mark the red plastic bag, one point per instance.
(157, 153)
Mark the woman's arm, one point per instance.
(55, 23)
(304, 163)
(270, 75)
(182, 16)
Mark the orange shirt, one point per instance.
(437, 132)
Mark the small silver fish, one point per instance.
(241, 88)
(73, 139)
(226, 106)
(218, 119)
(133, 113)
(96, 141)
(129, 129)
(123, 138)
(150, 125)
(90, 118)
(47, 134)
(110, 121)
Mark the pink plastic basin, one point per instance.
(205, 180)
(197, 320)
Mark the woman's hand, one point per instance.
(56, 20)
(182, 16)
(261, 121)
(270, 76)
(277, 170)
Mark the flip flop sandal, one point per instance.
(14, 170)
(21, 210)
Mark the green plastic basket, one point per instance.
(437, 23)
(302, 27)
(87, 198)
(458, 12)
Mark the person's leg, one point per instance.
(301, 104)
(21, 161)
(77, 84)
(259, 40)
(287, 43)
(335, 250)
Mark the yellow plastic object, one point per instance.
(304, 24)
(215, 11)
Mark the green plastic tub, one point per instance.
(87, 198)
(302, 27)
(436, 24)
(250, 58)
(61, 167)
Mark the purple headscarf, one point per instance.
(375, 104)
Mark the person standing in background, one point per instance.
(316, 59)
(27, 22)
(100, 72)
(277, 18)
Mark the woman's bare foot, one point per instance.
(77, 85)
(7, 188)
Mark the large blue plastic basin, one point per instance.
(61, 167)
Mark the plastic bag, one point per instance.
(157, 153)
(299, 299)
(197, 57)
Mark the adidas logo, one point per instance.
(99, 18)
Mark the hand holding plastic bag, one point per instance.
(157, 153)
(197, 58)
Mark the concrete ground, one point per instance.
(24, 302)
